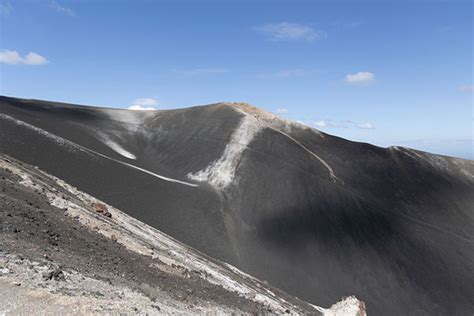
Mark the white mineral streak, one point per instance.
(221, 173)
(349, 306)
(73, 146)
(117, 148)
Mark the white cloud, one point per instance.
(290, 32)
(332, 123)
(288, 73)
(12, 57)
(341, 124)
(141, 108)
(282, 111)
(34, 59)
(362, 78)
(320, 124)
(200, 72)
(466, 88)
(56, 6)
(144, 104)
(366, 125)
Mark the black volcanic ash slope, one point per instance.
(316, 215)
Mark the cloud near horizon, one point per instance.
(341, 124)
(331, 123)
(144, 104)
(366, 125)
(361, 78)
(282, 111)
(12, 57)
(285, 31)
(320, 124)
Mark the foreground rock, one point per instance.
(101, 208)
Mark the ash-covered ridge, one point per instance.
(315, 215)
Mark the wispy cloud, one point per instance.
(290, 32)
(320, 124)
(144, 104)
(61, 9)
(282, 111)
(466, 88)
(362, 78)
(366, 125)
(329, 123)
(12, 57)
(5, 8)
(197, 72)
(283, 74)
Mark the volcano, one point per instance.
(317, 216)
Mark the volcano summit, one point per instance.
(315, 215)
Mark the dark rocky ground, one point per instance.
(35, 230)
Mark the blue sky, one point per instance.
(384, 72)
